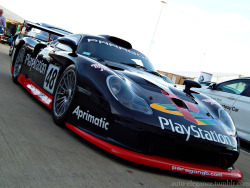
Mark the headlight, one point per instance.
(227, 121)
(124, 94)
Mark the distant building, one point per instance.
(178, 77)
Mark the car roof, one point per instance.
(242, 78)
(235, 79)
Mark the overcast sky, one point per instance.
(192, 35)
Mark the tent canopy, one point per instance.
(11, 17)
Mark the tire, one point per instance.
(64, 94)
(18, 63)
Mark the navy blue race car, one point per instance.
(111, 95)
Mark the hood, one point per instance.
(192, 115)
(157, 91)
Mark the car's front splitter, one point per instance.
(161, 162)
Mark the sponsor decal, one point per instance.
(185, 112)
(209, 101)
(201, 79)
(99, 66)
(197, 132)
(116, 46)
(34, 91)
(50, 78)
(199, 119)
(200, 172)
(230, 108)
(36, 64)
(100, 122)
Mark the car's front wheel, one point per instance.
(64, 94)
(18, 63)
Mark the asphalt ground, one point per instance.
(34, 152)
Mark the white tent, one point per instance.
(11, 17)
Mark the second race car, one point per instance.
(111, 95)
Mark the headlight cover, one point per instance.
(227, 121)
(123, 93)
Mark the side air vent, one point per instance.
(179, 103)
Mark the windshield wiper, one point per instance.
(135, 65)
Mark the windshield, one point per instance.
(104, 49)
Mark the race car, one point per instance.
(111, 95)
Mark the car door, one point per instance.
(240, 112)
(226, 93)
(47, 71)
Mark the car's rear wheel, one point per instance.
(18, 63)
(64, 94)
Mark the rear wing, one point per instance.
(27, 25)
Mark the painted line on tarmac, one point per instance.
(245, 152)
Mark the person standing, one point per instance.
(2, 22)
(13, 30)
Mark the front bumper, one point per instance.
(162, 162)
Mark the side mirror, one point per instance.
(69, 42)
(189, 84)
(212, 86)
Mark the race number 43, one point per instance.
(50, 78)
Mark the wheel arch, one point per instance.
(37, 48)
(60, 119)
(18, 47)
(92, 76)
(62, 58)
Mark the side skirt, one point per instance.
(36, 91)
